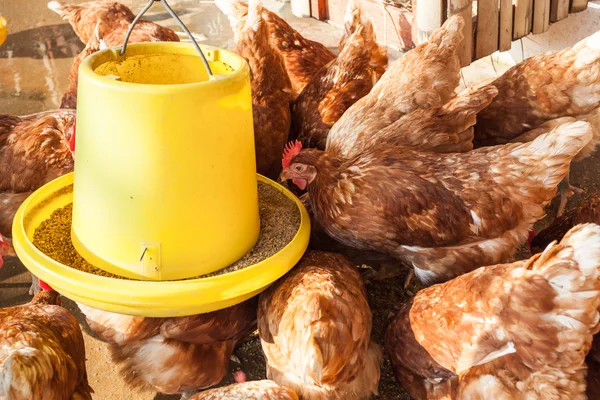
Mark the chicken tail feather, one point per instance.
(450, 34)
(549, 156)
(572, 267)
(254, 18)
(236, 13)
(469, 102)
(61, 9)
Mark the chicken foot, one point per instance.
(35, 285)
(566, 191)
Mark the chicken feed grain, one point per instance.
(279, 223)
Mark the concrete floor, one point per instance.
(38, 53)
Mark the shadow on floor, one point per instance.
(54, 41)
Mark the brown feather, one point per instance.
(548, 86)
(42, 351)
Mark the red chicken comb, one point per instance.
(291, 150)
(4, 245)
(45, 286)
(72, 140)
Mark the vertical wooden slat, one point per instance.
(465, 9)
(318, 9)
(429, 18)
(559, 9)
(541, 16)
(578, 5)
(506, 24)
(522, 22)
(486, 41)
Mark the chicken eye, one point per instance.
(299, 168)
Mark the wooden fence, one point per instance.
(491, 25)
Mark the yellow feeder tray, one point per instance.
(3, 29)
(146, 298)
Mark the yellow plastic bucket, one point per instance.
(165, 174)
(3, 29)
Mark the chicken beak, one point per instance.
(283, 176)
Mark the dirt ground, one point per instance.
(34, 62)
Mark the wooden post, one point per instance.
(429, 18)
(506, 24)
(559, 9)
(487, 32)
(465, 9)
(318, 9)
(523, 18)
(578, 5)
(541, 16)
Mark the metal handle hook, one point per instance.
(181, 24)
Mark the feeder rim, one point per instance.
(151, 298)
(94, 60)
(26, 249)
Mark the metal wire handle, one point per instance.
(181, 24)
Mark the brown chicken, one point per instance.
(509, 331)
(271, 91)
(174, 355)
(95, 44)
(42, 354)
(115, 19)
(566, 190)
(423, 78)
(339, 84)
(547, 86)
(442, 129)
(302, 57)
(445, 214)
(315, 331)
(256, 390)
(33, 151)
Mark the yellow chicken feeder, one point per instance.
(165, 184)
(3, 29)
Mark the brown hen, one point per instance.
(423, 78)
(315, 331)
(173, 355)
(509, 331)
(33, 151)
(42, 353)
(256, 390)
(271, 91)
(446, 214)
(302, 57)
(339, 84)
(547, 86)
(115, 18)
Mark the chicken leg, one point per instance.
(35, 285)
(566, 191)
